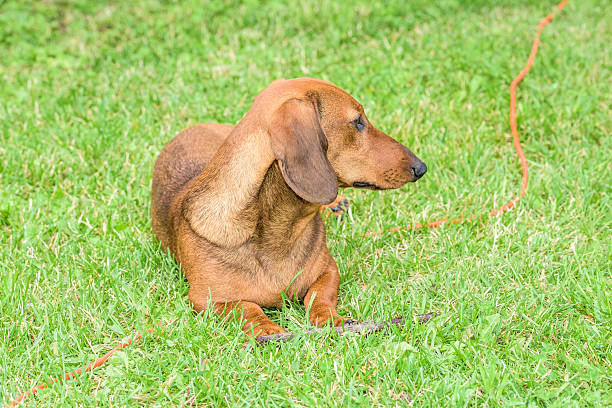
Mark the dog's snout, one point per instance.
(419, 170)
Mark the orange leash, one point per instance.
(515, 135)
(434, 224)
(72, 374)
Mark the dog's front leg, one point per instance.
(322, 297)
(256, 323)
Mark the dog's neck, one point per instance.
(241, 195)
(283, 215)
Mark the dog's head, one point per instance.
(322, 140)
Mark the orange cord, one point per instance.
(515, 135)
(434, 224)
(78, 371)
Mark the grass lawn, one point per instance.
(90, 92)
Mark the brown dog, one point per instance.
(238, 206)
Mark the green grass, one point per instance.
(90, 93)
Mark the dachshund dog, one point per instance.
(238, 206)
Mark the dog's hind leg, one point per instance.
(338, 207)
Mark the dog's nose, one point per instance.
(419, 169)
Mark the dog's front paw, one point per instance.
(266, 329)
(341, 321)
(326, 319)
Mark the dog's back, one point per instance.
(179, 162)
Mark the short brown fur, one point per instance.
(238, 206)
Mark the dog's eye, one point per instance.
(359, 125)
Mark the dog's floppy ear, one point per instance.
(300, 146)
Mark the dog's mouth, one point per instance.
(363, 184)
